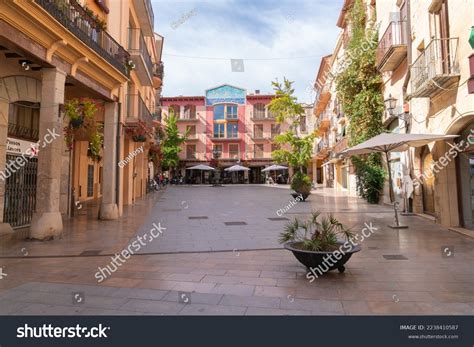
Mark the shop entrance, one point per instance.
(20, 193)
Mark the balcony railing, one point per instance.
(435, 69)
(140, 55)
(392, 48)
(324, 121)
(157, 116)
(136, 108)
(22, 132)
(145, 15)
(323, 145)
(78, 21)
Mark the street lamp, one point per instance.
(390, 104)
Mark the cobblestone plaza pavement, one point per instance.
(207, 261)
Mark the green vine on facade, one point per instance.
(358, 88)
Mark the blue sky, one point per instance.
(263, 30)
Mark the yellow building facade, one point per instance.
(53, 52)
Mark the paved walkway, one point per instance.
(235, 280)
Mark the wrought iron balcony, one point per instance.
(436, 69)
(77, 20)
(392, 48)
(137, 110)
(324, 122)
(22, 132)
(145, 15)
(157, 115)
(322, 99)
(140, 56)
(262, 116)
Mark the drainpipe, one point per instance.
(409, 49)
(117, 156)
(407, 120)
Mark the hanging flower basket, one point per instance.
(86, 131)
(139, 138)
(83, 126)
(76, 123)
(138, 133)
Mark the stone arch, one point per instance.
(20, 88)
(458, 124)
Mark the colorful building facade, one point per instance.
(226, 126)
(56, 51)
(426, 63)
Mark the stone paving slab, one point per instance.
(242, 281)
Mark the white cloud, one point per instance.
(240, 30)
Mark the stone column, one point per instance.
(5, 228)
(108, 207)
(315, 172)
(47, 221)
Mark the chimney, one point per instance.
(257, 91)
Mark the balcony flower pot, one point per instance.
(316, 259)
(320, 244)
(139, 138)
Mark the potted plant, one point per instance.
(319, 243)
(301, 184)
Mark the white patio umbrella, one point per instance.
(390, 142)
(201, 167)
(237, 167)
(275, 167)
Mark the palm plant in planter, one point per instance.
(318, 239)
(294, 149)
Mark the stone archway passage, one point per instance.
(12, 89)
(20, 88)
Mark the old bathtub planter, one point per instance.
(320, 244)
(319, 262)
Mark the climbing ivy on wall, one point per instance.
(358, 88)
